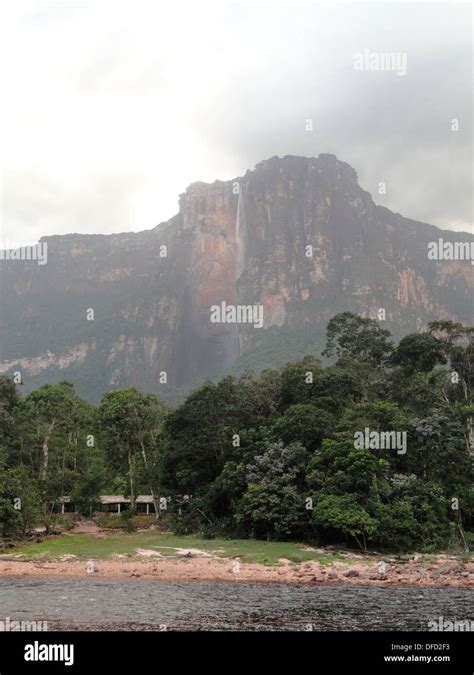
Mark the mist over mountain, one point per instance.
(297, 237)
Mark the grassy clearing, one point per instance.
(249, 550)
(116, 523)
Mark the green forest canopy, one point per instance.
(270, 455)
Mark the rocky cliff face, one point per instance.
(296, 236)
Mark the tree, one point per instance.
(51, 417)
(8, 393)
(273, 505)
(10, 524)
(89, 486)
(27, 498)
(8, 402)
(458, 345)
(339, 468)
(200, 434)
(337, 388)
(419, 352)
(413, 515)
(343, 514)
(358, 338)
(53, 423)
(304, 423)
(295, 387)
(129, 425)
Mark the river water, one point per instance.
(103, 604)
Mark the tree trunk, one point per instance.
(44, 467)
(132, 494)
(470, 429)
(461, 532)
(155, 497)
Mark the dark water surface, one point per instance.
(103, 604)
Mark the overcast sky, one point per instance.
(110, 109)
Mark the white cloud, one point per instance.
(112, 109)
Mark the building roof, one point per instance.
(113, 499)
(118, 499)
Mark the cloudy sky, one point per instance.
(110, 109)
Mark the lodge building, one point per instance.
(118, 503)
